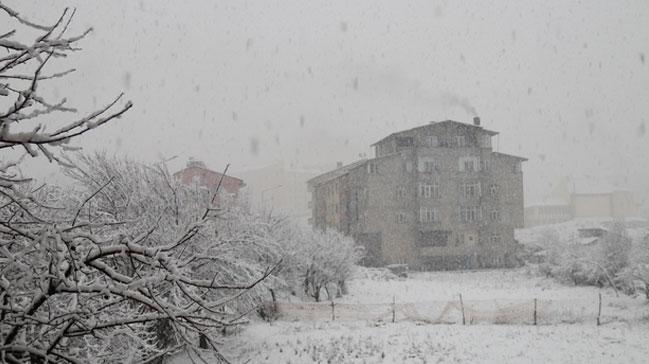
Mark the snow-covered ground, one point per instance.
(572, 338)
(328, 342)
(523, 283)
(622, 338)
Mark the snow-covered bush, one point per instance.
(593, 264)
(328, 259)
(637, 272)
(314, 260)
(206, 256)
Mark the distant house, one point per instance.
(546, 213)
(615, 204)
(433, 197)
(196, 173)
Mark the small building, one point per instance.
(196, 173)
(433, 197)
(546, 213)
(613, 204)
(616, 204)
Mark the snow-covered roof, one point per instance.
(434, 125)
(214, 173)
(503, 155)
(335, 173)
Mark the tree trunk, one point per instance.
(342, 287)
(203, 342)
(307, 281)
(316, 292)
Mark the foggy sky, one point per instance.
(310, 83)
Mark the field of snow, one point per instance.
(372, 287)
(328, 342)
(620, 339)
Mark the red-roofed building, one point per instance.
(197, 173)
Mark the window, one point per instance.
(404, 141)
(460, 140)
(516, 167)
(468, 164)
(402, 218)
(432, 141)
(471, 189)
(428, 215)
(493, 190)
(484, 165)
(429, 166)
(495, 239)
(409, 166)
(401, 192)
(494, 215)
(433, 238)
(470, 214)
(425, 191)
(485, 141)
(426, 164)
(372, 168)
(429, 190)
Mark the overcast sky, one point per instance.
(310, 83)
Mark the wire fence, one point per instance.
(460, 311)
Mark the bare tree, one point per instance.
(85, 274)
(25, 121)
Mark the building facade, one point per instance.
(434, 197)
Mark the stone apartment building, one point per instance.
(433, 197)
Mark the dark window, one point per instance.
(405, 142)
(433, 238)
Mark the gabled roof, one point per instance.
(434, 125)
(335, 173)
(217, 174)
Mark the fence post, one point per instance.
(394, 303)
(535, 312)
(599, 309)
(462, 307)
(333, 312)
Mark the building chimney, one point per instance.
(339, 164)
(195, 163)
(476, 121)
